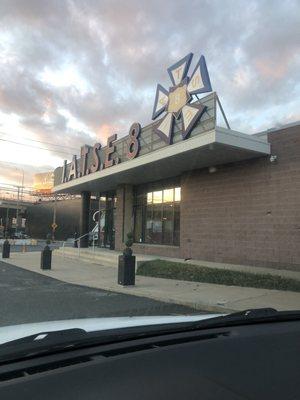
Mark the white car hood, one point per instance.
(12, 332)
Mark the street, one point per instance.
(38, 247)
(30, 297)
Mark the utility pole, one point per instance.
(17, 213)
(54, 219)
(7, 221)
(18, 201)
(22, 185)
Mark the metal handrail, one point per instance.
(78, 240)
(82, 236)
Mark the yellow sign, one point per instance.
(54, 226)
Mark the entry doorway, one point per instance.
(106, 221)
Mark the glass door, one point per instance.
(106, 231)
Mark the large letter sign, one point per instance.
(134, 143)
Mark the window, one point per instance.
(157, 216)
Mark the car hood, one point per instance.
(12, 332)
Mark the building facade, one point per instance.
(190, 189)
(236, 211)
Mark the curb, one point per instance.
(195, 306)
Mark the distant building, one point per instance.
(40, 218)
(12, 216)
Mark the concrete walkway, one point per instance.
(100, 255)
(202, 296)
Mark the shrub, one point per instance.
(195, 273)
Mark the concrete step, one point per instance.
(96, 260)
(88, 255)
(99, 256)
(94, 256)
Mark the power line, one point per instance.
(19, 166)
(35, 147)
(13, 185)
(14, 190)
(49, 169)
(41, 141)
(9, 185)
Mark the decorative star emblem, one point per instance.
(177, 102)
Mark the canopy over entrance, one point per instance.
(211, 148)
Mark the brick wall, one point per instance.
(248, 212)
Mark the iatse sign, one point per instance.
(79, 168)
(177, 104)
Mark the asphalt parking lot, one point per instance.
(27, 296)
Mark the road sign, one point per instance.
(54, 226)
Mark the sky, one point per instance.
(75, 72)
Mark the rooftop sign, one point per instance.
(177, 101)
(43, 183)
(182, 111)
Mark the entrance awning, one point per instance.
(212, 148)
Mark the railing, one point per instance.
(78, 243)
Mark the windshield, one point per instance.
(149, 163)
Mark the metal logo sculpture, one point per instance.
(177, 102)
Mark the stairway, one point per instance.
(108, 258)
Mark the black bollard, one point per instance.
(126, 267)
(6, 249)
(46, 258)
(126, 270)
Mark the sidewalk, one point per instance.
(201, 296)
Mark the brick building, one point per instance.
(216, 195)
(246, 212)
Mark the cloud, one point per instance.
(75, 71)
(12, 173)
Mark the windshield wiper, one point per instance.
(41, 343)
(250, 316)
